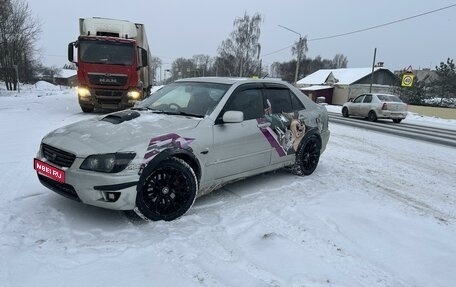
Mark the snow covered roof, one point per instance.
(66, 73)
(315, 88)
(345, 76)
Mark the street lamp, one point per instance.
(299, 51)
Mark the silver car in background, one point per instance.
(376, 106)
(185, 140)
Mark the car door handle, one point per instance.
(264, 125)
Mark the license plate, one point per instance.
(49, 170)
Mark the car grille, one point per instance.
(57, 156)
(108, 79)
(61, 188)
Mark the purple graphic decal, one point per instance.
(160, 143)
(284, 133)
(271, 137)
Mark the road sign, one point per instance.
(407, 80)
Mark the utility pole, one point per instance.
(372, 74)
(298, 56)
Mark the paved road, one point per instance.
(431, 134)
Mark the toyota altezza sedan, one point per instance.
(185, 140)
(376, 106)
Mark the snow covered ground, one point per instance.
(379, 210)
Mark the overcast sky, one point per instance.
(186, 28)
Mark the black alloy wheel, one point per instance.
(168, 191)
(307, 156)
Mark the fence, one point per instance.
(444, 113)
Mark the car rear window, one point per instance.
(388, 98)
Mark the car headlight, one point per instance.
(134, 94)
(83, 92)
(109, 162)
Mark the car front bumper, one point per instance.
(107, 190)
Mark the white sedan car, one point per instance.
(376, 106)
(185, 140)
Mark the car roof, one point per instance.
(231, 80)
(380, 94)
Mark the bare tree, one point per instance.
(182, 68)
(202, 64)
(155, 63)
(243, 46)
(299, 49)
(340, 61)
(19, 31)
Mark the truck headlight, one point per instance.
(134, 95)
(83, 92)
(109, 162)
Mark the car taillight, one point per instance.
(385, 106)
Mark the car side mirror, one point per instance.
(233, 117)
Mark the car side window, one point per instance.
(282, 100)
(367, 99)
(249, 101)
(359, 99)
(296, 103)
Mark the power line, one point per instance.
(365, 29)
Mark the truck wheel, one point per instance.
(168, 191)
(87, 109)
(307, 156)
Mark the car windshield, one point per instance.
(106, 52)
(186, 98)
(389, 98)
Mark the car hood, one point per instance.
(121, 131)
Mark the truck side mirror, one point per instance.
(144, 58)
(71, 52)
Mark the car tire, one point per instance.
(372, 116)
(86, 109)
(345, 113)
(168, 191)
(307, 156)
(396, 121)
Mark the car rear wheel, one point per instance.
(168, 191)
(307, 156)
(345, 112)
(397, 120)
(372, 116)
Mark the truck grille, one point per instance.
(57, 156)
(107, 79)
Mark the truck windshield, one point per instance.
(106, 52)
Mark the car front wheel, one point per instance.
(168, 191)
(397, 121)
(345, 112)
(307, 156)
